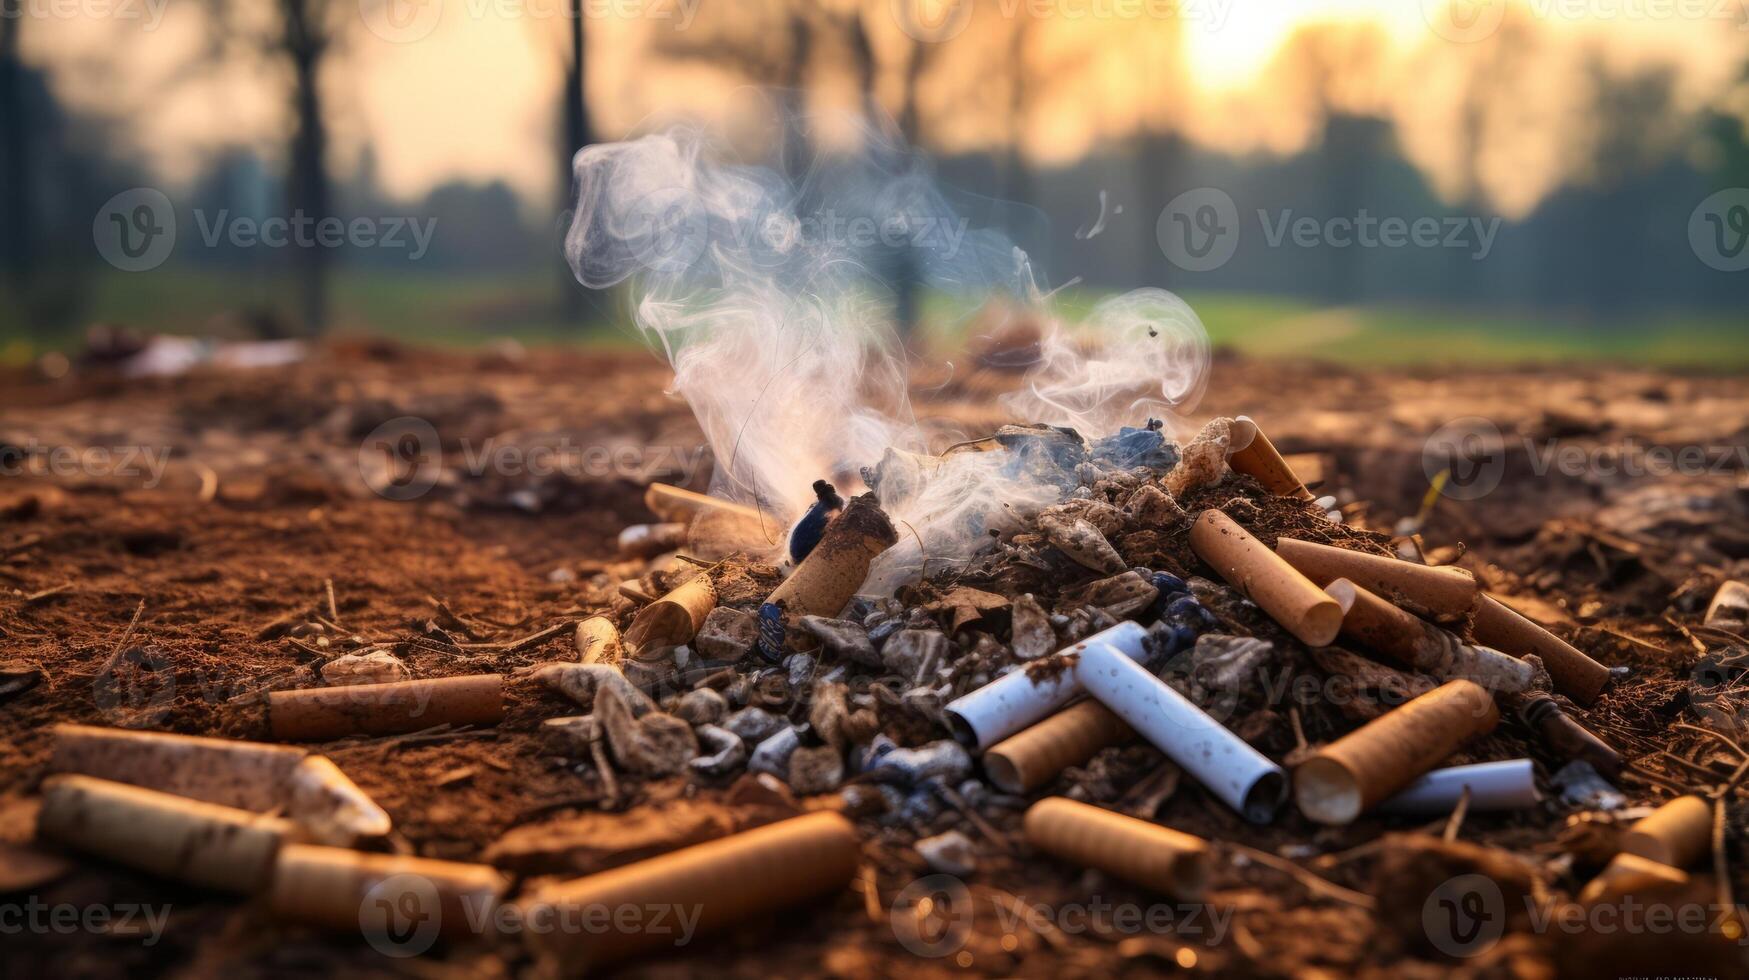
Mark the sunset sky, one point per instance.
(468, 88)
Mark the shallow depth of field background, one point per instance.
(1602, 141)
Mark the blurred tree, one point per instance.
(15, 171)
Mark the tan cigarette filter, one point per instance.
(1573, 673)
(674, 618)
(598, 641)
(827, 579)
(1264, 578)
(672, 503)
(1442, 591)
(188, 840)
(1376, 624)
(330, 806)
(386, 709)
(377, 894)
(1729, 603)
(1032, 757)
(1254, 455)
(1155, 857)
(1678, 833)
(1627, 874)
(1348, 776)
(246, 775)
(745, 876)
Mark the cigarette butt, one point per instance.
(598, 641)
(1574, 674)
(1264, 578)
(330, 806)
(1369, 620)
(717, 884)
(1251, 453)
(1352, 774)
(674, 504)
(674, 618)
(188, 840)
(347, 890)
(826, 580)
(1155, 857)
(1730, 603)
(1441, 591)
(1566, 737)
(386, 709)
(1677, 833)
(1627, 874)
(1022, 763)
(650, 540)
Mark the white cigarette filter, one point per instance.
(1508, 785)
(1023, 697)
(1244, 778)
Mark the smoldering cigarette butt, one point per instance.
(1508, 785)
(1239, 775)
(1356, 772)
(1678, 833)
(826, 580)
(676, 617)
(598, 641)
(1155, 857)
(1251, 453)
(1373, 622)
(1027, 696)
(255, 776)
(1573, 673)
(347, 890)
(1023, 762)
(1628, 874)
(386, 709)
(677, 505)
(1442, 591)
(717, 884)
(187, 840)
(1264, 578)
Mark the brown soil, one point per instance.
(263, 504)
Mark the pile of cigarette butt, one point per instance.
(1189, 624)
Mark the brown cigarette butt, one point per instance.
(674, 618)
(1441, 591)
(1264, 578)
(1253, 454)
(717, 884)
(1032, 757)
(1677, 833)
(1160, 858)
(598, 641)
(1627, 874)
(675, 504)
(827, 579)
(1574, 674)
(347, 890)
(1568, 738)
(1348, 776)
(188, 840)
(1370, 620)
(245, 775)
(386, 709)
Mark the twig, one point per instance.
(517, 646)
(609, 782)
(976, 819)
(36, 597)
(1456, 822)
(121, 645)
(1323, 886)
(1300, 743)
(1699, 647)
(1721, 870)
(871, 894)
(1720, 736)
(333, 607)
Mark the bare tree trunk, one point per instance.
(15, 176)
(576, 127)
(305, 44)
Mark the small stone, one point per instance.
(1033, 636)
(772, 755)
(727, 634)
(949, 854)
(945, 760)
(701, 707)
(370, 667)
(1204, 461)
(910, 652)
(726, 752)
(843, 638)
(582, 682)
(815, 769)
(655, 745)
(753, 725)
(1082, 542)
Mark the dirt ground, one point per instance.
(265, 501)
